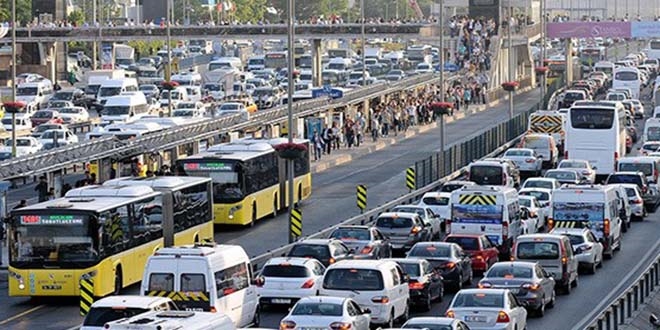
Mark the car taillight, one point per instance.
(503, 317)
(367, 249)
(332, 261)
(381, 299)
(606, 227)
(340, 325)
(308, 284)
(551, 223)
(414, 285)
(260, 281)
(479, 257)
(415, 230)
(530, 286)
(484, 285)
(287, 325)
(637, 201)
(450, 314)
(450, 265)
(530, 160)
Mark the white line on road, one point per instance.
(19, 315)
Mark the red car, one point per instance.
(482, 251)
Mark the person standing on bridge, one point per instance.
(42, 189)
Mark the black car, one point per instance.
(327, 251)
(449, 259)
(425, 283)
(73, 95)
(650, 195)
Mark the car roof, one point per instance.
(398, 215)
(295, 261)
(568, 230)
(129, 301)
(326, 299)
(437, 194)
(433, 320)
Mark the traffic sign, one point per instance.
(362, 197)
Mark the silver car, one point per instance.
(588, 250)
(635, 200)
(367, 242)
(528, 281)
(427, 215)
(583, 167)
(527, 160)
(318, 312)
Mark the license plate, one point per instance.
(471, 318)
(281, 301)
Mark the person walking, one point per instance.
(42, 189)
(327, 139)
(317, 141)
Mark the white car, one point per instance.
(635, 200)
(61, 136)
(187, 113)
(437, 323)
(25, 145)
(285, 280)
(528, 224)
(72, 115)
(199, 106)
(587, 248)
(22, 122)
(536, 210)
(581, 166)
(543, 195)
(527, 160)
(488, 309)
(438, 202)
(423, 68)
(538, 182)
(113, 308)
(649, 147)
(427, 215)
(326, 313)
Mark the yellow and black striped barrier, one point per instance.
(86, 295)
(571, 224)
(477, 199)
(296, 223)
(410, 178)
(362, 197)
(180, 296)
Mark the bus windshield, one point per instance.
(653, 133)
(592, 118)
(224, 174)
(655, 44)
(43, 240)
(626, 76)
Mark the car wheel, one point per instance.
(540, 312)
(624, 228)
(257, 318)
(390, 322)
(618, 246)
(427, 302)
(406, 314)
(551, 304)
(459, 284)
(575, 282)
(592, 267)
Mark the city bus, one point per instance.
(102, 233)
(597, 132)
(653, 51)
(275, 60)
(591, 55)
(628, 77)
(249, 179)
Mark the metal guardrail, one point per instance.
(624, 305)
(370, 216)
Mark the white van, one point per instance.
(226, 63)
(493, 211)
(125, 108)
(194, 93)
(650, 166)
(592, 206)
(120, 307)
(188, 79)
(170, 320)
(554, 253)
(114, 87)
(216, 278)
(179, 94)
(256, 63)
(35, 94)
(379, 285)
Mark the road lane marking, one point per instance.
(19, 315)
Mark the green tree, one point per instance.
(307, 9)
(23, 11)
(249, 10)
(76, 17)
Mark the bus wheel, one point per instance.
(275, 207)
(299, 194)
(196, 239)
(254, 214)
(118, 281)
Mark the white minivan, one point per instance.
(379, 285)
(188, 320)
(205, 277)
(114, 87)
(125, 108)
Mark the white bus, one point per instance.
(628, 77)
(597, 132)
(654, 49)
(651, 130)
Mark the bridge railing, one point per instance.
(504, 135)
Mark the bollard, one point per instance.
(86, 295)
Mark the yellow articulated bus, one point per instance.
(249, 179)
(103, 233)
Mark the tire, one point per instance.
(624, 228)
(459, 285)
(257, 318)
(254, 215)
(592, 268)
(575, 282)
(427, 302)
(275, 207)
(551, 304)
(390, 323)
(618, 246)
(118, 282)
(540, 312)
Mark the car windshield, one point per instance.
(540, 195)
(353, 279)
(646, 168)
(518, 153)
(436, 200)
(351, 234)
(69, 110)
(183, 113)
(429, 326)
(310, 250)
(467, 243)
(43, 114)
(507, 270)
(394, 222)
(109, 91)
(64, 96)
(26, 91)
(537, 250)
(116, 110)
(624, 178)
(478, 299)
(406, 209)
(565, 164)
(535, 143)
(433, 251)
(51, 135)
(19, 143)
(285, 270)
(230, 106)
(323, 309)
(99, 316)
(537, 184)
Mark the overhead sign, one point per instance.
(589, 30)
(645, 29)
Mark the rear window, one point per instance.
(450, 187)
(572, 165)
(352, 234)
(388, 222)
(321, 309)
(430, 251)
(285, 271)
(561, 175)
(508, 271)
(518, 153)
(631, 192)
(412, 269)
(540, 195)
(480, 299)
(482, 174)
(575, 239)
(309, 250)
(624, 178)
(537, 250)
(645, 168)
(537, 184)
(161, 282)
(436, 201)
(467, 243)
(535, 143)
(353, 279)
(98, 317)
(416, 210)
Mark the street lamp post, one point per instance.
(289, 106)
(441, 57)
(13, 76)
(94, 44)
(510, 55)
(364, 66)
(169, 57)
(542, 60)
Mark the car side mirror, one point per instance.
(366, 311)
(594, 168)
(406, 278)
(351, 251)
(540, 156)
